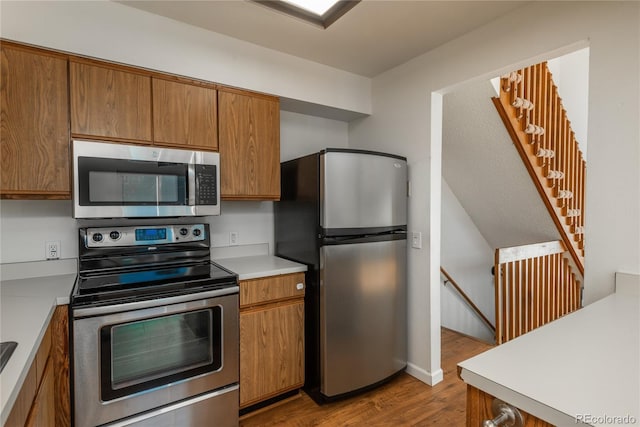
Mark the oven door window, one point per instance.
(108, 182)
(149, 353)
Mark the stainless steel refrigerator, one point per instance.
(344, 214)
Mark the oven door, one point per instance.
(133, 361)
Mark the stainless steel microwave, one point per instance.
(129, 181)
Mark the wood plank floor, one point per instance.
(405, 401)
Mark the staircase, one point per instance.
(536, 284)
(532, 112)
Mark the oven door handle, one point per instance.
(138, 305)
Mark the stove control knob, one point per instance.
(184, 231)
(115, 235)
(196, 232)
(97, 237)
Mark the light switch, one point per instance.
(416, 240)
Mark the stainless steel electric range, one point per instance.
(154, 329)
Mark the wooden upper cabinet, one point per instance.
(249, 143)
(184, 115)
(110, 103)
(34, 128)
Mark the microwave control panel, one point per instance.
(206, 193)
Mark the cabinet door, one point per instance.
(271, 351)
(34, 131)
(43, 410)
(249, 138)
(184, 115)
(110, 103)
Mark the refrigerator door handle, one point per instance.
(364, 238)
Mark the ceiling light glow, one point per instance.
(317, 7)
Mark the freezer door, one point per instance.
(362, 190)
(363, 324)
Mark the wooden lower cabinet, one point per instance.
(43, 411)
(271, 337)
(44, 399)
(479, 409)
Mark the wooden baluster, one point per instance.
(553, 288)
(558, 285)
(562, 284)
(505, 301)
(558, 143)
(545, 297)
(563, 148)
(557, 129)
(509, 308)
(575, 150)
(514, 300)
(544, 112)
(552, 121)
(569, 288)
(539, 107)
(549, 114)
(523, 298)
(566, 155)
(535, 99)
(551, 300)
(582, 174)
(570, 175)
(497, 283)
(527, 95)
(539, 300)
(530, 295)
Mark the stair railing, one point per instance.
(537, 122)
(534, 285)
(468, 300)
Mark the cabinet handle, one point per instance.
(300, 286)
(505, 415)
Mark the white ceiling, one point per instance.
(371, 38)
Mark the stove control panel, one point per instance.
(144, 235)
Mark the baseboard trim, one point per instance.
(430, 378)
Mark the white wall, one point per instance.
(468, 258)
(571, 75)
(115, 32)
(403, 103)
(301, 135)
(25, 225)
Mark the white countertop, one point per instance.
(582, 369)
(27, 306)
(253, 267)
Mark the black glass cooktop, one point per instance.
(124, 285)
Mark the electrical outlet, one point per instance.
(416, 240)
(233, 238)
(52, 249)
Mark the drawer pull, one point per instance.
(300, 286)
(505, 415)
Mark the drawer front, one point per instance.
(270, 289)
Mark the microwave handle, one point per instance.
(191, 176)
